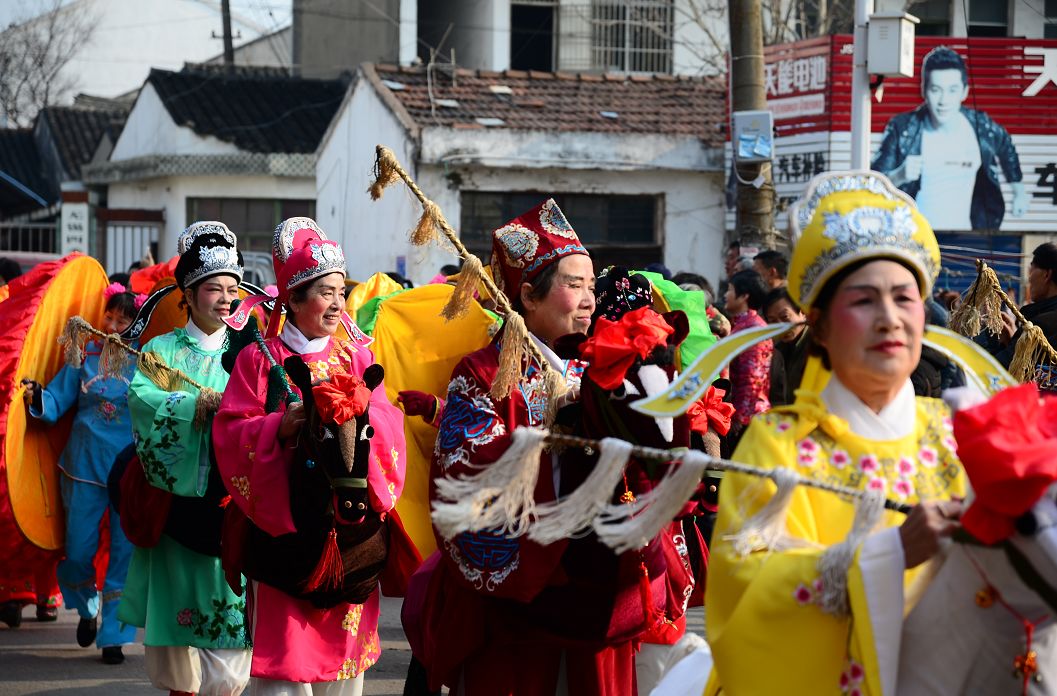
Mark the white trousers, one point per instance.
(275, 687)
(202, 671)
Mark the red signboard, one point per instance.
(1013, 80)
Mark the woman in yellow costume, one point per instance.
(813, 610)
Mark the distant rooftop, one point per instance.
(77, 131)
(543, 101)
(257, 109)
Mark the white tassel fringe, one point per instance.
(766, 529)
(575, 513)
(627, 527)
(500, 498)
(835, 562)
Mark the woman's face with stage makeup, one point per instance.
(319, 314)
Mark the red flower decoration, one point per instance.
(615, 345)
(342, 398)
(1007, 447)
(711, 410)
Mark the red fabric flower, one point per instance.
(343, 397)
(615, 345)
(1007, 447)
(711, 410)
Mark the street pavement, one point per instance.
(44, 659)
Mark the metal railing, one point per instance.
(29, 236)
(632, 36)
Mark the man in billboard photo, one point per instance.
(942, 149)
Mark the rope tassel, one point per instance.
(765, 531)
(426, 229)
(835, 562)
(501, 497)
(385, 173)
(462, 297)
(114, 359)
(72, 339)
(511, 356)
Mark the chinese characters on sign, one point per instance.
(796, 76)
(799, 168)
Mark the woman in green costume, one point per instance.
(195, 625)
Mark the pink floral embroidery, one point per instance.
(805, 595)
(906, 467)
(903, 488)
(868, 464)
(851, 678)
(948, 424)
(185, 617)
(783, 426)
(840, 459)
(807, 452)
(928, 457)
(877, 484)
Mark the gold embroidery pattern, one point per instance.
(242, 485)
(347, 670)
(351, 622)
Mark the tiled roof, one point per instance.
(22, 169)
(76, 133)
(543, 101)
(256, 110)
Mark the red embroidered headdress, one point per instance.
(526, 245)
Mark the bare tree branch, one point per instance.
(34, 52)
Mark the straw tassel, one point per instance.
(206, 404)
(154, 368)
(426, 229)
(500, 497)
(511, 356)
(462, 297)
(1032, 348)
(574, 513)
(835, 562)
(765, 531)
(72, 339)
(555, 388)
(385, 173)
(625, 527)
(330, 571)
(981, 306)
(115, 359)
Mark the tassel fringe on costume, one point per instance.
(765, 531)
(835, 562)
(500, 497)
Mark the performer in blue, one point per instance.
(101, 428)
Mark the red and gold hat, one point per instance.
(526, 245)
(301, 253)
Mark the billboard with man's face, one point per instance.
(972, 136)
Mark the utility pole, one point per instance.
(861, 108)
(748, 92)
(229, 49)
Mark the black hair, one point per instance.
(751, 284)
(942, 58)
(135, 266)
(9, 269)
(774, 259)
(124, 302)
(777, 295)
(1045, 258)
(450, 269)
(403, 281)
(541, 286)
(122, 278)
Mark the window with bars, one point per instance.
(934, 17)
(988, 18)
(253, 220)
(617, 36)
(616, 229)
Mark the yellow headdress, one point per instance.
(846, 217)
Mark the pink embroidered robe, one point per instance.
(292, 640)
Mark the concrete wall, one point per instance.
(171, 193)
(332, 36)
(372, 233)
(150, 130)
(480, 32)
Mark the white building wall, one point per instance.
(150, 130)
(372, 233)
(481, 36)
(170, 195)
(1027, 19)
(691, 204)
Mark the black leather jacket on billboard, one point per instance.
(902, 138)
